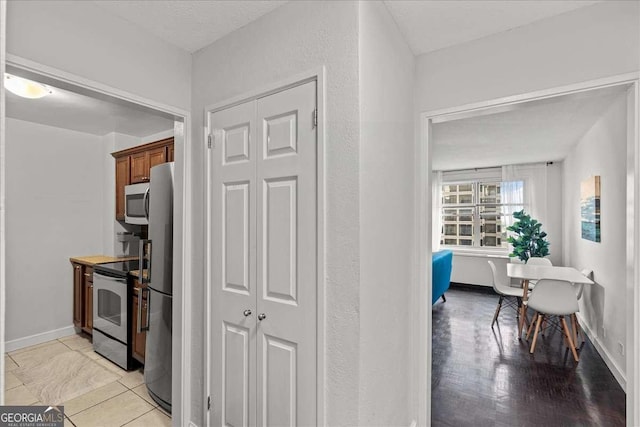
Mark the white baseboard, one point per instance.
(19, 343)
(606, 356)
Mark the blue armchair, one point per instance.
(441, 264)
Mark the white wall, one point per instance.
(85, 40)
(386, 218)
(297, 37)
(553, 224)
(55, 210)
(602, 151)
(588, 43)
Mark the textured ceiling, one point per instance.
(433, 25)
(536, 131)
(426, 25)
(190, 25)
(70, 110)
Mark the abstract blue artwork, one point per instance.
(590, 208)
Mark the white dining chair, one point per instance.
(534, 260)
(553, 298)
(512, 296)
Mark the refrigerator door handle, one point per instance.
(150, 243)
(141, 257)
(139, 319)
(143, 242)
(145, 203)
(146, 328)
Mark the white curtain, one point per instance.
(511, 193)
(534, 177)
(436, 204)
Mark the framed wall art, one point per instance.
(590, 208)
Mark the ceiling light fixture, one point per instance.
(24, 87)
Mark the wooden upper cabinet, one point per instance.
(122, 178)
(157, 156)
(141, 163)
(133, 166)
(139, 167)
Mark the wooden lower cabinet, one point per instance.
(139, 339)
(87, 324)
(83, 307)
(83, 297)
(77, 294)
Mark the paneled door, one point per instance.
(232, 276)
(262, 206)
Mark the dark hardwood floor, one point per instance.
(485, 377)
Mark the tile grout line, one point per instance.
(12, 359)
(99, 403)
(69, 419)
(142, 415)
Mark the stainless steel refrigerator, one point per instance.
(157, 366)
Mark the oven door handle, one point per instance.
(109, 278)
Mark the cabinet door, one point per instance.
(170, 154)
(87, 324)
(157, 157)
(139, 339)
(122, 179)
(140, 167)
(77, 295)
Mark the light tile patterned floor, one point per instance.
(118, 398)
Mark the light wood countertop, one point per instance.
(136, 273)
(100, 259)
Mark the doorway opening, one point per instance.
(452, 124)
(61, 204)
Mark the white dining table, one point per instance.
(526, 273)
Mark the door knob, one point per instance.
(247, 313)
(262, 316)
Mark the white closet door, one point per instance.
(263, 227)
(286, 257)
(233, 262)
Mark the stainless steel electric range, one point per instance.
(111, 307)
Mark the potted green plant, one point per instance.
(528, 239)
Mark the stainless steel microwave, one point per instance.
(136, 204)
